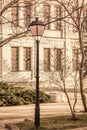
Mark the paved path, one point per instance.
(2, 127)
(19, 113)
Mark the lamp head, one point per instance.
(37, 27)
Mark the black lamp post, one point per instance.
(37, 29)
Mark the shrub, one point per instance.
(10, 95)
(44, 97)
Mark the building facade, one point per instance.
(59, 46)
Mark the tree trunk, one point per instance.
(71, 109)
(81, 72)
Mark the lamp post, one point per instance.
(37, 29)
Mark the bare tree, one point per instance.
(73, 15)
(17, 30)
(74, 12)
(58, 78)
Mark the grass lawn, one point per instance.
(56, 123)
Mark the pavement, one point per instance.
(13, 114)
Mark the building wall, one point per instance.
(0, 48)
(63, 39)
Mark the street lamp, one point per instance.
(37, 29)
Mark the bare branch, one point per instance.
(8, 6)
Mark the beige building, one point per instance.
(58, 46)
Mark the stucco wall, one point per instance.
(51, 39)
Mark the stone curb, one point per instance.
(11, 127)
(81, 128)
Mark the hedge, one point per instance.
(10, 95)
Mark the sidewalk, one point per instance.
(2, 127)
(13, 114)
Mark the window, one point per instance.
(57, 59)
(27, 58)
(76, 59)
(74, 15)
(47, 15)
(27, 13)
(15, 14)
(85, 21)
(85, 59)
(15, 58)
(16, 10)
(57, 13)
(0, 18)
(46, 59)
(0, 27)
